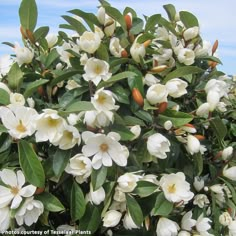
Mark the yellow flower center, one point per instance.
(104, 147)
(52, 122)
(101, 99)
(68, 135)
(20, 127)
(14, 190)
(98, 70)
(172, 188)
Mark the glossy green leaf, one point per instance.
(188, 19)
(52, 56)
(41, 33)
(121, 94)
(198, 163)
(131, 120)
(162, 206)
(30, 164)
(134, 210)
(4, 97)
(33, 86)
(98, 177)
(50, 202)
(65, 76)
(210, 58)
(170, 10)
(145, 188)
(77, 25)
(123, 131)
(144, 115)
(102, 53)
(28, 14)
(137, 26)
(152, 22)
(79, 106)
(77, 202)
(219, 129)
(15, 77)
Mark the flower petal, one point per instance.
(20, 178)
(16, 202)
(97, 161)
(106, 159)
(27, 191)
(9, 177)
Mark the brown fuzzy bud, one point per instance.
(23, 32)
(39, 190)
(162, 107)
(199, 137)
(158, 69)
(30, 36)
(128, 21)
(190, 125)
(137, 96)
(215, 46)
(147, 43)
(124, 53)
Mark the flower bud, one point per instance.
(168, 125)
(215, 46)
(101, 14)
(157, 93)
(128, 21)
(213, 99)
(137, 96)
(137, 51)
(191, 33)
(230, 173)
(23, 32)
(147, 43)
(198, 183)
(203, 109)
(136, 130)
(124, 53)
(158, 69)
(162, 107)
(128, 222)
(193, 144)
(111, 218)
(225, 219)
(227, 152)
(199, 137)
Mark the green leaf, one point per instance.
(5, 97)
(50, 202)
(129, 10)
(121, 94)
(77, 25)
(80, 106)
(198, 163)
(124, 132)
(52, 56)
(131, 120)
(30, 164)
(165, 23)
(219, 129)
(65, 76)
(33, 86)
(2, 128)
(188, 19)
(15, 76)
(182, 71)
(144, 115)
(152, 22)
(98, 177)
(176, 117)
(91, 219)
(102, 53)
(134, 210)
(28, 14)
(137, 26)
(170, 10)
(210, 58)
(41, 33)
(162, 206)
(77, 202)
(60, 160)
(147, 106)
(145, 188)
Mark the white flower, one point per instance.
(191, 33)
(83, 59)
(96, 70)
(163, 56)
(136, 130)
(203, 109)
(221, 106)
(71, 84)
(111, 218)
(230, 173)
(23, 55)
(5, 65)
(49, 126)
(18, 120)
(70, 137)
(232, 228)
(89, 42)
(73, 118)
(187, 222)
(227, 152)
(4, 87)
(219, 86)
(204, 49)
(104, 149)
(166, 227)
(219, 189)
(157, 93)
(189, 128)
(175, 187)
(201, 200)
(14, 192)
(31, 102)
(115, 47)
(119, 195)
(168, 125)
(51, 40)
(103, 100)
(29, 212)
(193, 144)
(202, 225)
(101, 14)
(186, 56)
(198, 183)
(158, 145)
(110, 26)
(176, 87)
(213, 98)
(79, 166)
(150, 80)
(137, 50)
(5, 218)
(225, 219)
(162, 33)
(128, 222)
(151, 178)
(17, 98)
(96, 197)
(127, 182)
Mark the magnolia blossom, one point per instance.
(162, 34)
(213, 98)
(227, 152)
(101, 15)
(5, 218)
(203, 50)
(19, 120)
(51, 40)
(17, 98)
(232, 228)
(96, 70)
(186, 56)
(158, 145)
(73, 118)
(225, 219)
(198, 183)
(4, 87)
(103, 100)
(79, 166)
(175, 187)
(71, 84)
(230, 173)
(29, 212)
(119, 195)
(217, 85)
(97, 196)
(157, 93)
(163, 56)
(31, 102)
(150, 80)
(191, 33)
(202, 225)
(115, 47)
(176, 87)
(203, 109)
(23, 55)
(166, 227)
(193, 144)
(201, 200)
(49, 126)
(104, 149)
(137, 50)
(14, 192)
(136, 130)
(128, 222)
(127, 182)
(111, 218)
(109, 26)
(89, 42)
(187, 222)
(168, 125)
(5, 65)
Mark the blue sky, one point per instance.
(217, 20)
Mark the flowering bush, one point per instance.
(124, 127)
